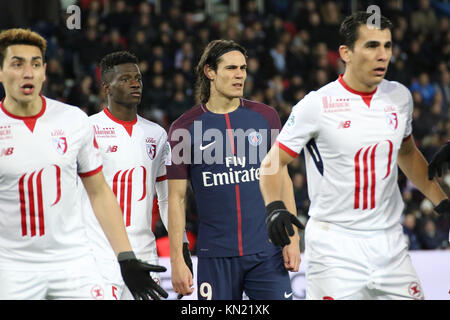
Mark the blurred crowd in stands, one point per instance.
(292, 48)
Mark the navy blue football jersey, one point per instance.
(221, 155)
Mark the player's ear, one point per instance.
(105, 86)
(209, 72)
(345, 53)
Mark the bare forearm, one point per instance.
(270, 181)
(109, 215)
(415, 167)
(177, 225)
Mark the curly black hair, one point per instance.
(113, 59)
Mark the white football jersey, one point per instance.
(352, 140)
(134, 155)
(41, 222)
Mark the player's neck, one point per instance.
(222, 104)
(123, 113)
(23, 108)
(355, 84)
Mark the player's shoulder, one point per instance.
(64, 110)
(397, 92)
(259, 107)
(149, 125)
(389, 87)
(188, 117)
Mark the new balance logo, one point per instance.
(111, 149)
(6, 151)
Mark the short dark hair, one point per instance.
(113, 59)
(211, 57)
(350, 26)
(20, 36)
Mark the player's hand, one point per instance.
(188, 261)
(182, 282)
(443, 209)
(279, 223)
(439, 162)
(136, 275)
(291, 255)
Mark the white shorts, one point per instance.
(76, 279)
(341, 264)
(112, 277)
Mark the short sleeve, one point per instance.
(301, 126)
(89, 160)
(409, 113)
(180, 152)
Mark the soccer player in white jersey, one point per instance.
(44, 145)
(134, 153)
(356, 131)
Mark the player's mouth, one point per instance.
(238, 85)
(136, 94)
(380, 71)
(27, 88)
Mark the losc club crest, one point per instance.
(60, 144)
(151, 150)
(392, 120)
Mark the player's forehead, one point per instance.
(23, 51)
(126, 69)
(366, 34)
(234, 57)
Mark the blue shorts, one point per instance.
(261, 276)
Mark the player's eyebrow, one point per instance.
(234, 66)
(23, 59)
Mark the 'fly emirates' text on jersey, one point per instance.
(352, 140)
(133, 154)
(40, 157)
(221, 155)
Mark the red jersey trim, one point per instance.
(128, 125)
(406, 138)
(30, 121)
(366, 96)
(287, 149)
(237, 192)
(161, 178)
(90, 173)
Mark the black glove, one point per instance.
(136, 275)
(279, 223)
(439, 161)
(443, 209)
(187, 260)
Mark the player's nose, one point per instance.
(28, 71)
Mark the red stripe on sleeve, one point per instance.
(287, 149)
(162, 178)
(90, 173)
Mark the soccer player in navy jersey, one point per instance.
(218, 145)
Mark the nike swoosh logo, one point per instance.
(288, 295)
(207, 146)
